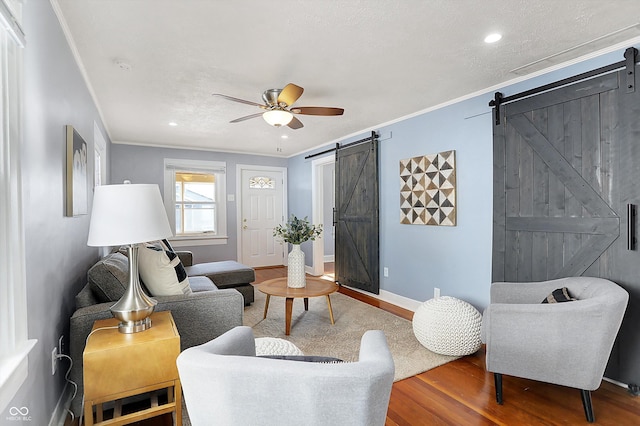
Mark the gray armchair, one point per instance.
(567, 344)
(284, 392)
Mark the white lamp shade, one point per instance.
(277, 117)
(127, 214)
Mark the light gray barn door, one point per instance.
(566, 163)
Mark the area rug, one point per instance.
(312, 332)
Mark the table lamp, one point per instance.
(125, 215)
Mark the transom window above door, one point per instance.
(262, 182)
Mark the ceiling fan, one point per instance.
(279, 112)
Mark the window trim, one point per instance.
(9, 22)
(15, 344)
(215, 167)
(100, 154)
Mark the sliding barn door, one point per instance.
(566, 164)
(357, 230)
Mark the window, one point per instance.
(195, 203)
(100, 156)
(194, 196)
(14, 343)
(99, 167)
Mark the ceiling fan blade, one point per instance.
(317, 110)
(242, 101)
(295, 124)
(247, 117)
(290, 94)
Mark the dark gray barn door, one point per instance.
(566, 163)
(357, 229)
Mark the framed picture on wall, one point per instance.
(77, 192)
(428, 189)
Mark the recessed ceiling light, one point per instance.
(285, 136)
(173, 124)
(492, 38)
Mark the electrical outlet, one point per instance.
(436, 292)
(61, 345)
(54, 360)
(385, 272)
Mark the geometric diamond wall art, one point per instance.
(428, 189)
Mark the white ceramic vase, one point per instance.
(295, 271)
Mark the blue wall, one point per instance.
(453, 258)
(419, 258)
(299, 193)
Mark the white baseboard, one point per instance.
(329, 258)
(59, 414)
(395, 299)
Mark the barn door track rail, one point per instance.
(630, 55)
(373, 136)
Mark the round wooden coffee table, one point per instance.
(315, 287)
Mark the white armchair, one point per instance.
(567, 344)
(224, 383)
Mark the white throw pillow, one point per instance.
(161, 271)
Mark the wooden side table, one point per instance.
(118, 365)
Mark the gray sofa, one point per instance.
(200, 316)
(224, 274)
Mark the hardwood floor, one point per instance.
(462, 392)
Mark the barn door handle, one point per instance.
(334, 217)
(631, 227)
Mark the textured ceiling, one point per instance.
(380, 60)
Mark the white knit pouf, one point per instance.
(275, 346)
(448, 326)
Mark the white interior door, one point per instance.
(262, 195)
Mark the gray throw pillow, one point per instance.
(109, 277)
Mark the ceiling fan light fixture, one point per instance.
(277, 117)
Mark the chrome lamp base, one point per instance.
(129, 327)
(134, 307)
